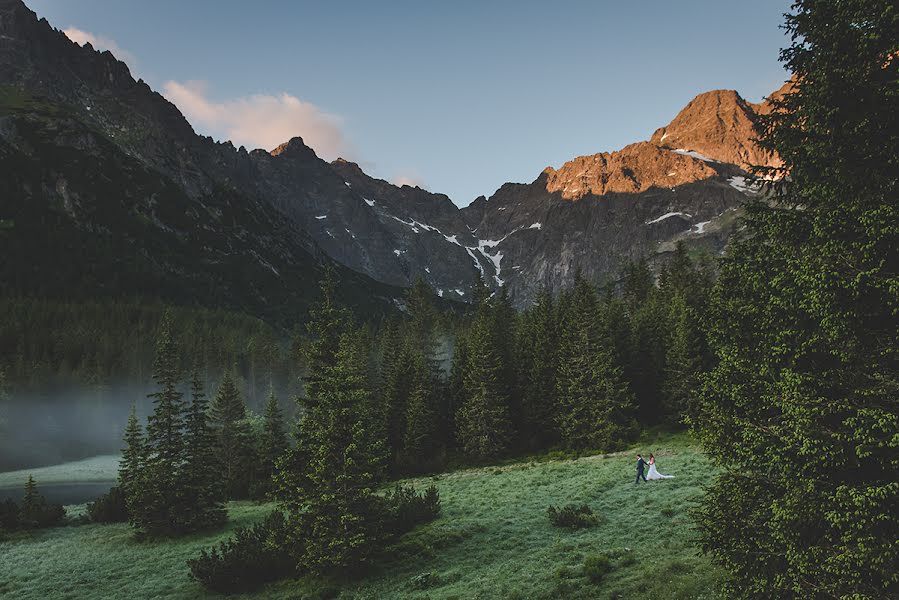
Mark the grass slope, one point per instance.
(96, 468)
(493, 540)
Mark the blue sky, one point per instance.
(459, 96)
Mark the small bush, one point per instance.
(406, 508)
(254, 556)
(109, 508)
(572, 516)
(596, 567)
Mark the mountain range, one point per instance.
(107, 190)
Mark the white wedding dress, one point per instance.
(654, 474)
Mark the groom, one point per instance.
(641, 464)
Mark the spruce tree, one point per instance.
(200, 477)
(595, 405)
(326, 482)
(156, 494)
(538, 363)
(133, 459)
(805, 317)
(684, 362)
(233, 439)
(272, 442)
(483, 423)
(649, 338)
(421, 442)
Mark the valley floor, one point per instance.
(493, 540)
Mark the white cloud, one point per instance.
(101, 43)
(260, 120)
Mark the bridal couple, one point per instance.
(653, 472)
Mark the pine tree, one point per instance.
(649, 328)
(156, 493)
(805, 317)
(538, 363)
(31, 500)
(684, 362)
(595, 405)
(165, 427)
(484, 428)
(233, 439)
(133, 454)
(421, 442)
(273, 441)
(200, 478)
(326, 482)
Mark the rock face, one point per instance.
(718, 125)
(265, 220)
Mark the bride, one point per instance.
(653, 472)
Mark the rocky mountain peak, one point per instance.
(633, 169)
(294, 148)
(717, 125)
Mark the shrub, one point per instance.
(109, 508)
(406, 508)
(596, 567)
(572, 516)
(254, 556)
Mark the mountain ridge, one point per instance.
(592, 214)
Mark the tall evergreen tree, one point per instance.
(684, 362)
(421, 442)
(595, 404)
(133, 454)
(156, 494)
(327, 481)
(805, 318)
(165, 427)
(272, 442)
(483, 423)
(200, 478)
(234, 444)
(538, 363)
(649, 338)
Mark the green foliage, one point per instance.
(168, 476)
(34, 512)
(572, 516)
(596, 567)
(233, 440)
(252, 557)
(326, 485)
(537, 341)
(272, 444)
(407, 508)
(483, 420)
(804, 319)
(111, 507)
(595, 405)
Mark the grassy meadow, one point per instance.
(493, 540)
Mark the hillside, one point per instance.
(493, 540)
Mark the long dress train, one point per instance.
(654, 473)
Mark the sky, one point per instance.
(457, 97)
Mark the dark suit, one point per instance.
(641, 464)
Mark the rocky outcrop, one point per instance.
(717, 125)
(631, 170)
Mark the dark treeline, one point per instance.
(51, 345)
